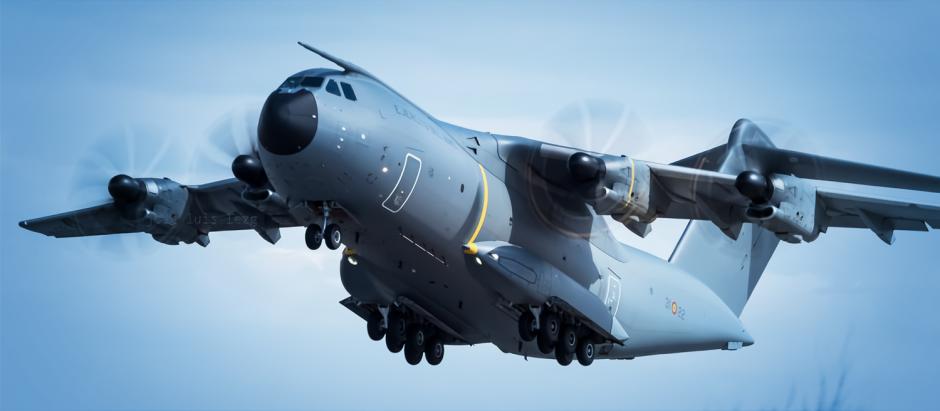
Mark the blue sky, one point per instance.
(129, 324)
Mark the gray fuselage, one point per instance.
(416, 191)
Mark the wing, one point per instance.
(689, 193)
(881, 215)
(175, 213)
(97, 220)
(696, 194)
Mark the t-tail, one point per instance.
(729, 254)
(730, 267)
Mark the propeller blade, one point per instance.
(233, 135)
(600, 126)
(102, 175)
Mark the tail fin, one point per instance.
(730, 267)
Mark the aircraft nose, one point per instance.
(288, 122)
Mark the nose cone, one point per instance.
(288, 122)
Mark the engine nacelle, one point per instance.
(791, 211)
(624, 192)
(157, 206)
(615, 186)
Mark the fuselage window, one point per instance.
(332, 88)
(348, 91)
(291, 82)
(312, 82)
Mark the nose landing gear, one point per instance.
(313, 236)
(316, 235)
(333, 236)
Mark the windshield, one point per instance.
(291, 82)
(312, 82)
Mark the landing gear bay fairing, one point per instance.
(455, 236)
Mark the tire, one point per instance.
(586, 351)
(527, 326)
(313, 236)
(545, 346)
(333, 236)
(417, 336)
(549, 326)
(413, 355)
(434, 351)
(395, 333)
(563, 358)
(567, 340)
(414, 346)
(375, 327)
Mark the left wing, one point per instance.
(796, 206)
(174, 213)
(881, 215)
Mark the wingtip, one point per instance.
(307, 46)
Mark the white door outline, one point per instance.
(411, 160)
(612, 297)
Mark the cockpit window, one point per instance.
(312, 82)
(332, 88)
(291, 82)
(348, 91)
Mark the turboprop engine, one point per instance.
(615, 186)
(155, 205)
(629, 191)
(785, 205)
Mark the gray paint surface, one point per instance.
(513, 196)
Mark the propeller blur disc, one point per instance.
(135, 151)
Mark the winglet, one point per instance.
(350, 67)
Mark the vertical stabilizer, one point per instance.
(730, 267)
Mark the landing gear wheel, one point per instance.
(434, 351)
(333, 236)
(527, 326)
(568, 340)
(549, 326)
(545, 346)
(414, 346)
(586, 351)
(395, 333)
(313, 236)
(413, 355)
(375, 327)
(548, 332)
(563, 358)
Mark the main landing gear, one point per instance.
(559, 334)
(316, 235)
(406, 331)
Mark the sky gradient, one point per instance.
(126, 323)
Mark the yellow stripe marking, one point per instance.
(471, 248)
(632, 182)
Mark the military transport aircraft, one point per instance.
(456, 236)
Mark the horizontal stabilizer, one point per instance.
(707, 160)
(803, 165)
